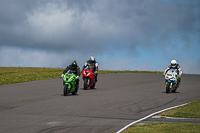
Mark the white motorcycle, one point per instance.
(171, 81)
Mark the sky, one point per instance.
(120, 34)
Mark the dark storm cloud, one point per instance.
(78, 23)
(100, 27)
(44, 24)
(73, 24)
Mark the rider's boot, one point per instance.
(77, 86)
(96, 78)
(178, 82)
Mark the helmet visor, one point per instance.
(74, 63)
(173, 65)
(92, 59)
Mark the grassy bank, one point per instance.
(164, 128)
(191, 110)
(125, 71)
(10, 75)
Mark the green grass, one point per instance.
(164, 128)
(10, 75)
(191, 110)
(125, 71)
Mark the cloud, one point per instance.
(110, 30)
(127, 22)
(20, 57)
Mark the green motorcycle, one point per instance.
(69, 84)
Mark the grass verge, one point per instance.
(191, 110)
(10, 75)
(164, 128)
(125, 71)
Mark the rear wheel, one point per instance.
(75, 91)
(65, 90)
(92, 87)
(167, 87)
(85, 83)
(174, 89)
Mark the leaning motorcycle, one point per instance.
(69, 84)
(171, 81)
(88, 78)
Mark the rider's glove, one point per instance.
(62, 75)
(77, 77)
(164, 73)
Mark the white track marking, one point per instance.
(148, 117)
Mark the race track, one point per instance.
(116, 101)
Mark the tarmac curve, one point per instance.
(116, 101)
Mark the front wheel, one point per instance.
(86, 83)
(65, 90)
(167, 87)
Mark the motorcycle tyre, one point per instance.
(168, 87)
(65, 90)
(75, 91)
(174, 89)
(92, 87)
(85, 83)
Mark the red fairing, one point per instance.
(88, 74)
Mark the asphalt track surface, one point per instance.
(116, 101)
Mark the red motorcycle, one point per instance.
(88, 78)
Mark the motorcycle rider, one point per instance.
(93, 65)
(176, 66)
(75, 69)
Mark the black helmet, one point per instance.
(74, 65)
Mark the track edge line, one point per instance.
(148, 117)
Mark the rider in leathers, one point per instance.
(93, 65)
(73, 68)
(176, 66)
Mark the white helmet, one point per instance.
(173, 63)
(92, 58)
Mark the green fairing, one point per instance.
(70, 81)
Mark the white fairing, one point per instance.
(171, 74)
